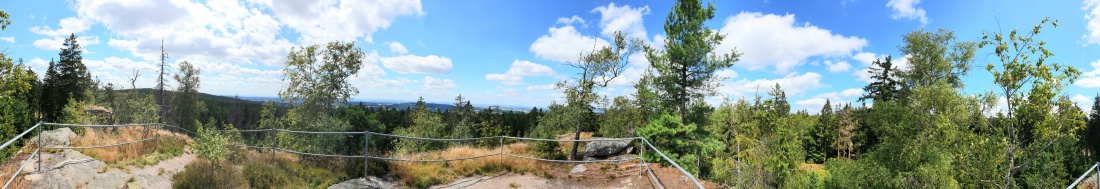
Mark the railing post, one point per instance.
(156, 136)
(274, 143)
(641, 158)
(39, 150)
(502, 150)
(366, 145)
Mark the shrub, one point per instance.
(265, 175)
(806, 179)
(856, 174)
(202, 174)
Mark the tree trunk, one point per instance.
(576, 136)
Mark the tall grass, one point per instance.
(139, 154)
(423, 175)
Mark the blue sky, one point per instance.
(511, 52)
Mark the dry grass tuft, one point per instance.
(423, 175)
(169, 145)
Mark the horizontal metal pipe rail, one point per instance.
(16, 138)
(697, 184)
(1086, 174)
(24, 164)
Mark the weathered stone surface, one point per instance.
(579, 168)
(67, 169)
(55, 138)
(607, 148)
(373, 183)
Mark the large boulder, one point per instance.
(55, 138)
(607, 148)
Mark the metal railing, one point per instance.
(366, 156)
(1086, 174)
(40, 145)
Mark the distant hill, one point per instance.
(401, 105)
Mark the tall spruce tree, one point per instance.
(68, 78)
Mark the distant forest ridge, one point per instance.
(368, 103)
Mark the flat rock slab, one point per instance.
(578, 169)
(373, 183)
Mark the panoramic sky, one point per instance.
(511, 52)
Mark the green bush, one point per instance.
(265, 175)
(684, 144)
(201, 174)
(856, 174)
(806, 179)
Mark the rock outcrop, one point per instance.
(56, 137)
(607, 148)
(373, 183)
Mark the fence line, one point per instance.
(366, 156)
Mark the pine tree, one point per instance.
(688, 61)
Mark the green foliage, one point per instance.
(74, 113)
(490, 128)
(187, 106)
(857, 174)
(200, 174)
(1090, 136)
(1031, 86)
(685, 144)
(804, 179)
(4, 20)
(557, 121)
(885, 85)
(823, 135)
(598, 68)
(935, 57)
(68, 78)
(211, 144)
(136, 108)
(19, 88)
(318, 78)
(426, 124)
(687, 63)
(462, 119)
(620, 119)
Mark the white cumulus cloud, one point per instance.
(431, 83)
(519, 69)
(837, 67)
(571, 20)
(430, 64)
(341, 20)
(622, 18)
(1092, 21)
(8, 39)
(565, 44)
(814, 104)
(907, 9)
(774, 40)
(1090, 79)
(792, 83)
(1082, 101)
(398, 48)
